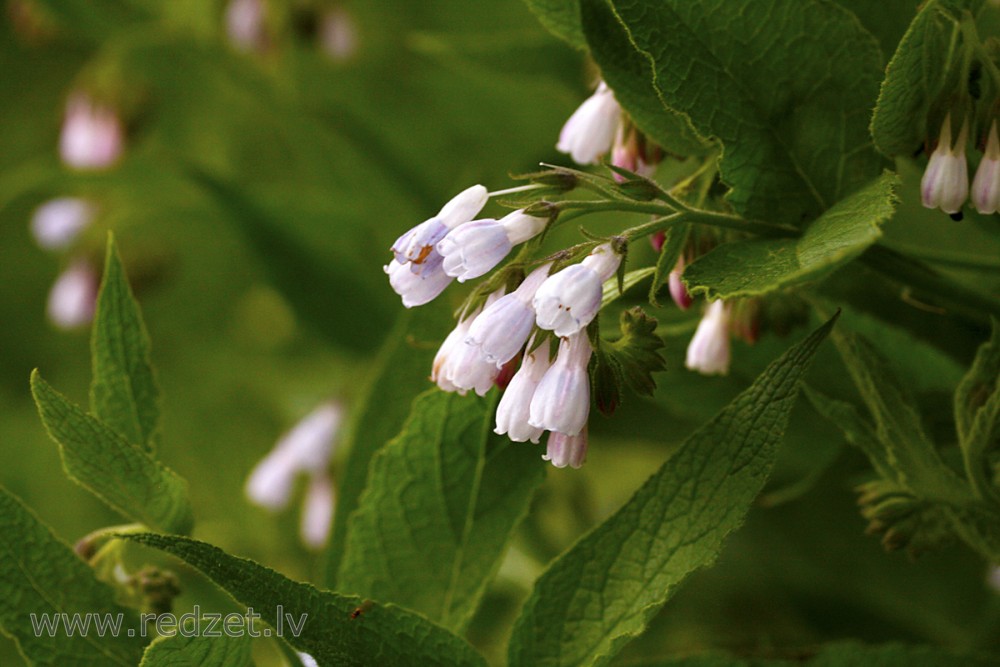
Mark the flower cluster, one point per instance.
(306, 449)
(945, 183)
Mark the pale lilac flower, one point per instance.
(514, 408)
(246, 24)
(590, 131)
(306, 448)
(416, 289)
(569, 300)
(338, 34)
(57, 223)
(307, 660)
(709, 349)
(678, 291)
(561, 401)
(474, 249)
(566, 450)
(945, 183)
(459, 366)
(317, 511)
(628, 153)
(986, 184)
(418, 244)
(92, 135)
(73, 296)
(501, 330)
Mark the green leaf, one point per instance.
(915, 78)
(604, 590)
(792, 121)
(126, 478)
(673, 245)
(628, 73)
(981, 382)
(339, 629)
(40, 574)
(230, 648)
(123, 392)
(399, 376)
(638, 351)
(759, 266)
(610, 290)
(841, 654)
(441, 502)
(856, 430)
(887, 20)
(908, 451)
(561, 18)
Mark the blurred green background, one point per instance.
(254, 208)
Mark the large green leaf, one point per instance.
(792, 118)
(126, 478)
(123, 392)
(207, 643)
(759, 266)
(339, 629)
(41, 579)
(916, 77)
(441, 502)
(399, 376)
(887, 20)
(604, 590)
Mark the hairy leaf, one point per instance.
(441, 502)
(792, 118)
(40, 575)
(759, 266)
(126, 478)
(123, 392)
(338, 629)
(604, 590)
(225, 649)
(638, 351)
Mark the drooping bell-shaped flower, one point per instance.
(92, 135)
(306, 448)
(709, 349)
(561, 401)
(945, 183)
(459, 366)
(57, 223)
(501, 330)
(474, 249)
(678, 291)
(986, 184)
(514, 409)
(317, 511)
(73, 296)
(418, 245)
(569, 300)
(566, 450)
(338, 34)
(246, 25)
(590, 131)
(418, 289)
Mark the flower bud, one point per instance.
(590, 131)
(73, 296)
(566, 450)
(561, 401)
(678, 291)
(246, 25)
(57, 223)
(709, 350)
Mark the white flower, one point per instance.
(92, 135)
(307, 660)
(57, 223)
(306, 448)
(709, 350)
(986, 184)
(501, 330)
(245, 24)
(338, 35)
(566, 450)
(945, 183)
(459, 366)
(73, 296)
(418, 288)
(418, 244)
(317, 511)
(474, 249)
(514, 408)
(569, 300)
(561, 401)
(590, 131)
